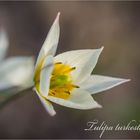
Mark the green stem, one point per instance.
(13, 97)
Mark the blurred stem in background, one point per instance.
(10, 98)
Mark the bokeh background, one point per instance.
(115, 25)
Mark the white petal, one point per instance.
(83, 60)
(46, 75)
(47, 105)
(98, 83)
(16, 71)
(3, 44)
(50, 45)
(79, 99)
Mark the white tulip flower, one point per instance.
(16, 73)
(66, 79)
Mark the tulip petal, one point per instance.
(3, 44)
(83, 60)
(79, 99)
(47, 105)
(46, 75)
(50, 45)
(98, 83)
(16, 71)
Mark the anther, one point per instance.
(73, 68)
(53, 93)
(58, 63)
(75, 86)
(67, 92)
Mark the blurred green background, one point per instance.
(115, 25)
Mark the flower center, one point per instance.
(61, 82)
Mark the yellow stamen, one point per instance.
(61, 82)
